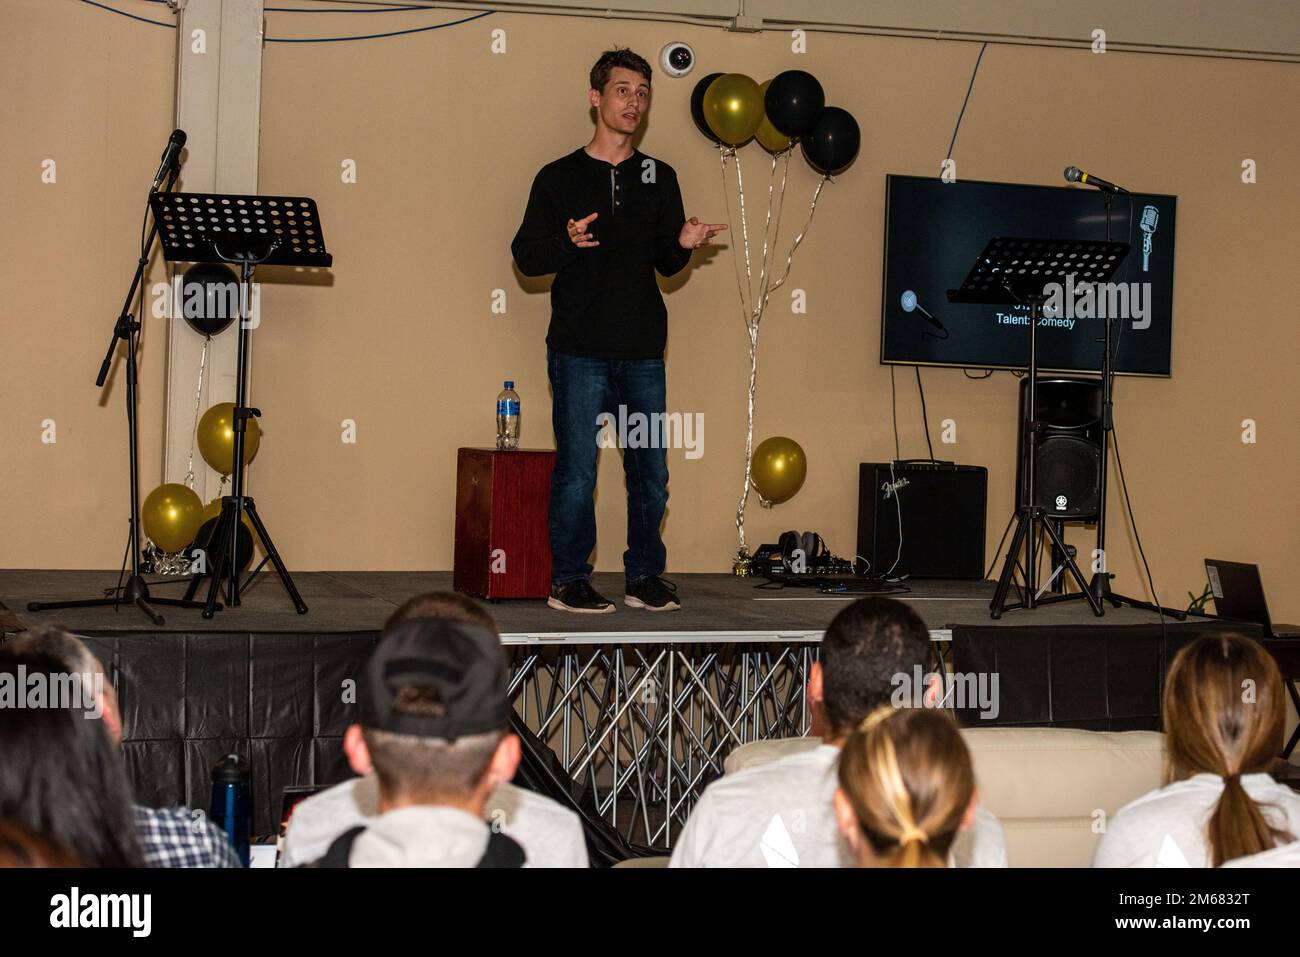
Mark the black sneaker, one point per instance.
(578, 596)
(652, 594)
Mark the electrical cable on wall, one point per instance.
(131, 16)
(893, 405)
(925, 419)
(378, 36)
(970, 86)
(1128, 506)
(368, 36)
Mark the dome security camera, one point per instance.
(677, 59)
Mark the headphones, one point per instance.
(812, 544)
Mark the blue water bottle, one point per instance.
(508, 417)
(231, 803)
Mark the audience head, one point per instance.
(866, 647)
(74, 658)
(61, 776)
(442, 606)
(1224, 714)
(906, 788)
(434, 711)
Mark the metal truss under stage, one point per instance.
(645, 726)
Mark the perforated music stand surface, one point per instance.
(248, 231)
(216, 228)
(1013, 270)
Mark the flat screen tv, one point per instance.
(933, 233)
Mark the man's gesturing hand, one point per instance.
(578, 234)
(695, 234)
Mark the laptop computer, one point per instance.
(1239, 593)
(293, 796)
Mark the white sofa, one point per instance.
(1052, 788)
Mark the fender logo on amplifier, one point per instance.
(889, 488)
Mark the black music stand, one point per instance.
(248, 231)
(1016, 271)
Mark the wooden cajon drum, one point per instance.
(503, 541)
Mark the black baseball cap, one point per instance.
(462, 665)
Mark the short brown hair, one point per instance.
(429, 770)
(615, 58)
(445, 606)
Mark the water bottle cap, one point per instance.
(510, 383)
(231, 769)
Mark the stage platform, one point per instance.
(716, 607)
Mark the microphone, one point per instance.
(1150, 217)
(170, 158)
(909, 303)
(1075, 175)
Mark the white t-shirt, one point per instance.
(421, 836)
(550, 835)
(1287, 855)
(782, 814)
(1166, 828)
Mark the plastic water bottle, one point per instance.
(231, 802)
(508, 417)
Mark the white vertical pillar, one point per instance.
(218, 105)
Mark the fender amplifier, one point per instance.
(922, 520)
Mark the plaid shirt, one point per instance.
(179, 837)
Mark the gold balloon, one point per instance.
(170, 516)
(779, 468)
(217, 438)
(768, 136)
(733, 108)
(213, 510)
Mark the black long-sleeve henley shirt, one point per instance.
(605, 302)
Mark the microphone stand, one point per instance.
(136, 590)
(1100, 584)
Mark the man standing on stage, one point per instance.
(604, 219)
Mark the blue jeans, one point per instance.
(583, 389)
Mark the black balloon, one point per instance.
(209, 297)
(833, 142)
(697, 105)
(203, 540)
(794, 101)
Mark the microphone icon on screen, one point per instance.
(909, 304)
(1150, 216)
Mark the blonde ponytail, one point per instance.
(907, 776)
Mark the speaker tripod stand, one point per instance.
(1023, 272)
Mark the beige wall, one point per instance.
(93, 92)
(447, 136)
